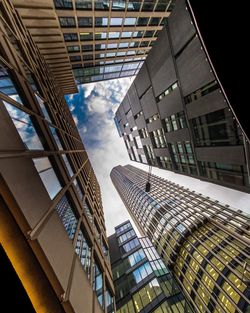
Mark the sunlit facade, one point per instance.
(98, 39)
(52, 226)
(203, 242)
(142, 281)
(176, 116)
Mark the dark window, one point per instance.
(75, 58)
(63, 4)
(83, 5)
(70, 37)
(216, 129)
(84, 21)
(142, 21)
(67, 21)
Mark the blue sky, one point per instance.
(93, 110)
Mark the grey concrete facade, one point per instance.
(177, 101)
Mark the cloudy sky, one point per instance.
(93, 110)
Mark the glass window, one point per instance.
(48, 176)
(114, 35)
(78, 189)
(88, 210)
(25, 127)
(130, 245)
(113, 68)
(142, 272)
(56, 138)
(75, 48)
(87, 47)
(67, 216)
(84, 21)
(98, 284)
(122, 228)
(7, 86)
(43, 108)
(126, 34)
(101, 21)
(87, 36)
(130, 21)
(142, 21)
(126, 236)
(109, 302)
(75, 58)
(83, 250)
(115, 21)
(123, 44)
(120, 54)
(86, 4)
(70, 37)
(136, 257)
(67, 21)
(112, 45)
(69, 168)
(63, 4)
(154, 21)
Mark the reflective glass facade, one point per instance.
(142, 281)
(203, 242)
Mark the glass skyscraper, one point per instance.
(204, 243)
(142, 281)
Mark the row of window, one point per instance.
(115, 5)
(99, 56)
(87, 36)
(106, 22)
(175, 122)
(216, 129)
(166, 92)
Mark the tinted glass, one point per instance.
(48, 176)
(25, 127)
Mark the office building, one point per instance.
(204, 243)
(142, 281)
(52, 228)
(175, 115)
(95, 39)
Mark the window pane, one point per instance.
(25, 127)
(101, 21)
(115, 21)
(69, 168)
(67, 21)
(7, 86)
(67, 216)
(98, 284)
(83, 250)
(129, 21)
(57, 140)
(48, 176)
(84, 21)
(43, 108)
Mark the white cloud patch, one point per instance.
(106, 150)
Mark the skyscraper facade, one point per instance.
(142, 281)
(52, 226)
(205, 243)
(175, 115)
(97, 39)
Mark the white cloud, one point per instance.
(75, 118)
(103, 99)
